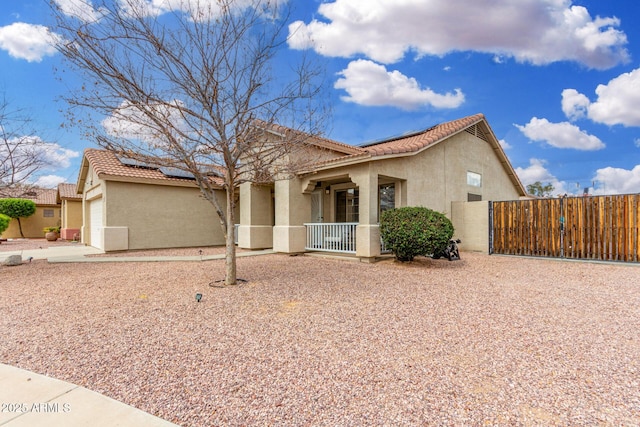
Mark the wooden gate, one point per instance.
(593, 227)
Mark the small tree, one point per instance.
(199, 88)
(17, 208)
(412, 231)
(4, 223)
(540, 190)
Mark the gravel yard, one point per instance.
(487, 340)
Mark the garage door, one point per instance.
(95, 214)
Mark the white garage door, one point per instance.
(95, 214)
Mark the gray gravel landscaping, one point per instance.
(487, 340)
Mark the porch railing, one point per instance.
(331, 237)
(235, 233)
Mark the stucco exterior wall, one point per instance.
(32, 226)
(160, 216)
(433, 178)
(71, 216)
(471, 223)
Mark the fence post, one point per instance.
(490, 228)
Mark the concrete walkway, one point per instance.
(30, 399)
(79, 254)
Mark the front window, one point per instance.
(387, 197)
(47, 213)
(347, 205)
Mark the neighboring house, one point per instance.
(127, 205)
(47, 214)
(70, 211)
(335, 205)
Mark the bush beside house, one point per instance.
(17, 208)
(413, 231)
(4, 223)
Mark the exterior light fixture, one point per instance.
(327, 190)
(198, 297)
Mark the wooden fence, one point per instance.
(593, 227)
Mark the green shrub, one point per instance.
(412, 231)
(17, 208)
(4, 222)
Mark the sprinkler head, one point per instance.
(198, 297)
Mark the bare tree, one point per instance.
(198, 89)
(22, 152)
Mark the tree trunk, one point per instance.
(230, 253)
(20, 227)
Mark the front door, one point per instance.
(316, 206)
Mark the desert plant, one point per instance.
(17, 208)
(4, 222)
(412, 231)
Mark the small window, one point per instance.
(474, 179)
(387, 197)
(47, 213)
(474, 197)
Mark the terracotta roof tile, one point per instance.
(105, 162)
(318, 141)
(68, 191)
(419, 140)
(41, 196)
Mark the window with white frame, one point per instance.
(474, 179)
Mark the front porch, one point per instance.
(336, 213)
(334, 237)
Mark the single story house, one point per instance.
(332, 204)
(47, 213)
(335, 205)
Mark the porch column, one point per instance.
(293, 209)
(368, 229)
(256, 217)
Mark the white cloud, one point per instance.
(27, 41)
(49, 181)
(534, 31)
(574, 104)
(560, 135)
(504, 144)
(537, 172)
(198, 10)
(637, 142)
(618, 181)
(617, 101)
(130, 122)
(81, 9)
(368, 83)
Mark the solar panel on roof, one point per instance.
(135, 163)
(176, 173)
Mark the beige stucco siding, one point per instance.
(33, 226)
(72, 213)
(432, 178)
(159, 216)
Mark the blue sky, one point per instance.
(558, 80)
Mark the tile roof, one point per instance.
(41, 196)
(403, 144)
(105, 163)
(68, 191)
(420, 140)
(318, 141)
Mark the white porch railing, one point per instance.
(235, 233)
(331, 237)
